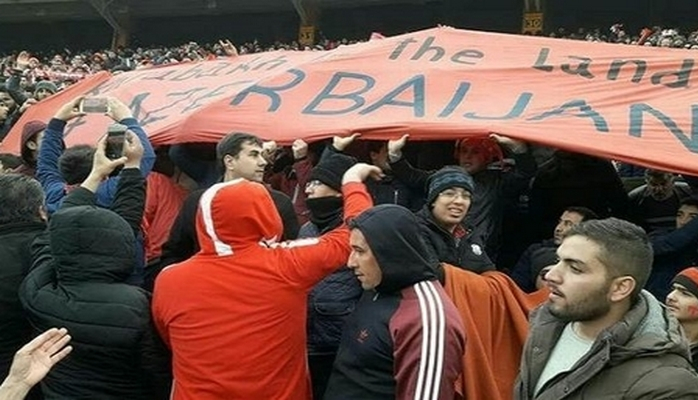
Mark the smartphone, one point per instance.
(94, 105)
(116, 135)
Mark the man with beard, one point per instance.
(334, 298)
(654, 205)
(599, 336)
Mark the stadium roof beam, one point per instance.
(308, 10)
(102, 7)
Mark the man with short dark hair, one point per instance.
(22, 219)
(522, 271)
(653, 205)
(599, 335)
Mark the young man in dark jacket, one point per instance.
(22, 219)
(441, 221)
(332, 300)
(495, 187)
(405, 339)
(78, 282)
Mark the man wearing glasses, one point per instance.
(441, 221)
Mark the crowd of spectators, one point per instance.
(250, 270)
(65, 67)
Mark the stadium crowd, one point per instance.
(341, 269)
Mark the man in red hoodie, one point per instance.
(234, 314)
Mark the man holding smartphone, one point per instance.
(59, 169)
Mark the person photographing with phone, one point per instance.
(60, 169)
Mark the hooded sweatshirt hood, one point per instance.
(655, 333)
(29, 132)
(91, 244)
(234, 215)
(392, 233)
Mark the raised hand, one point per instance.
(514, 145)
(228, 48)
(299, 148)
(118, 111)
(22, 61)
(133, 150)
(341, 143)
(395, 146)
(360, 172)
(70, 110)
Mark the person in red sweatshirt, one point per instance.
(234, 314)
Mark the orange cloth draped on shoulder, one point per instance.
(495, 315)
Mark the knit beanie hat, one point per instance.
(331, 169)
(446, 178)
(541, 258)
(29, 132)
(688, 278)
(48, 85)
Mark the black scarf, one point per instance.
(325, 212)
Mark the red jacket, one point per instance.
(234, 315)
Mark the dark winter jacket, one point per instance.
(467, 252)
(390, 190)
(384, 353)
(494, 190)
(329, 303)
(643, 356)
(572, 179)
(15, 262)
(674, 250)
(521, 273)
(77, 282)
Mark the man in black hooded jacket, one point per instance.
(405, 339)
(78, 281)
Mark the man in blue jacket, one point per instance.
(57, 181)
(54, 183)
